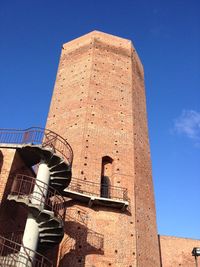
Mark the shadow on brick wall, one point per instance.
(79, 240)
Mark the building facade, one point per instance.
(84, 187)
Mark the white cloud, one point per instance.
(188, 124)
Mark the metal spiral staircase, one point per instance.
(42, 198)
(49, 210)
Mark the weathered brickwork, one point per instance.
(12, 216)
(146, 232)
(98, 105)
(176, 252)
(6, 160)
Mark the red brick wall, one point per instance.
(146, 230)
(6, 161)
(12, 216)
(98, 105)
(176, 252)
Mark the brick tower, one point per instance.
(98, 105)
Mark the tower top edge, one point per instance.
(97, 37)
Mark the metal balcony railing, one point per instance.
(38, 136)
(98, 190)
(38, 193)
(11, 256)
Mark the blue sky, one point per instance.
(166, 35)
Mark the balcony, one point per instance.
(97, 194)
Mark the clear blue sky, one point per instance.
(166, 35)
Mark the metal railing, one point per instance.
(38, 136)
(38, 193)
(98, 190)
(15, 236)
(11, 256)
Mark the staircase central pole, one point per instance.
(31, 232)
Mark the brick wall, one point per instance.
(6, 161)
(12, 216)
(98, 105)
(176, 251)
(146, 230)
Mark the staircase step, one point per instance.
(25, 202)
(60, 164)
(54, 160)
(50, 235)
(61, 173)
(23, 199)
(45, 215)
(59, 186)
(48, 230)
(45, 154)
(53, 222)
(59, 180)
(53, 240)
(32, 154)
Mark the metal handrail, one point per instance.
(11, 256)
(46, 197)
(17, 237)
(14, 236)
(98, 190)
(38, 136)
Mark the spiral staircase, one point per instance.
(43, 198)
(43, 201)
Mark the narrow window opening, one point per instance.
(105, 187)
(106, 173)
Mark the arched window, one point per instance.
(106, 173)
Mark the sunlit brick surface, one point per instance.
(176, 252)
(99, 106)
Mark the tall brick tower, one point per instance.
(98, 105)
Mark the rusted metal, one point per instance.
(23, 186)
(38, 136)
(96, 189)
(10, 255)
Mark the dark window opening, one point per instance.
(105, 187)
(106, 173)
